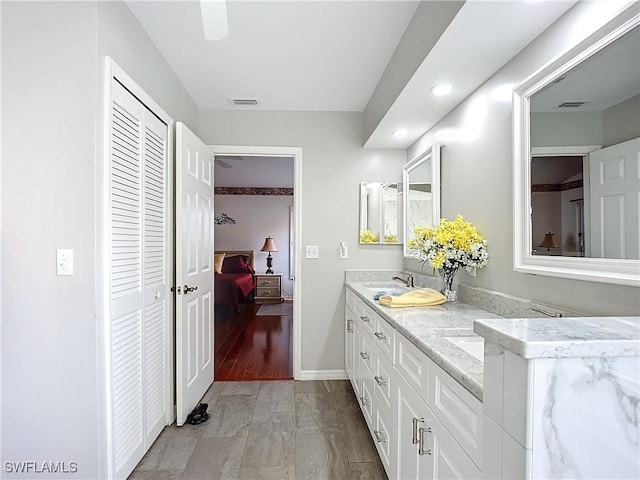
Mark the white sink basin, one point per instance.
(385, 288)
(473, 345)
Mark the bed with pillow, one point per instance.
(234, 278)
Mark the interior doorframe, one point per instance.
(102, 259)
(296, 153)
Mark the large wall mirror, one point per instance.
(421, 196)
(577, 161)
(380, 216)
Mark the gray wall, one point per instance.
(333, 165)
(621, 122)
(477, 182)
(49, 386)
(51, 100)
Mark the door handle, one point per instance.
(188, 289)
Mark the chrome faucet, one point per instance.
(407, 281)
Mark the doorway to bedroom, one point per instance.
(254, 239)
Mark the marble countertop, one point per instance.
(428, 329)
(564, 337)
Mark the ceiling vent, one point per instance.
(244, 102)
(571, 104)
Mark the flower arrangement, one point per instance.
(390, 238)
(366, 236)
(449, 246)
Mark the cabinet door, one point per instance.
(349, 343)
(411, 417)
(450, 461)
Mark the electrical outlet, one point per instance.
(313, 251)
(64, 261)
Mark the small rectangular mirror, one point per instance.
(380, 216)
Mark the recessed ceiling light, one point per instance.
(442, 89)
(400, 133)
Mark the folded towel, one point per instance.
(414, 298)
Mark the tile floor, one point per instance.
(269, 430)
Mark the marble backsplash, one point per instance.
(488, 300)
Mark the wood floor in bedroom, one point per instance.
(252, 347)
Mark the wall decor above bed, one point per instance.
(223, 218)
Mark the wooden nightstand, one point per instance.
(268, 288)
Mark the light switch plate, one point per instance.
(312, 251)
(64, 261)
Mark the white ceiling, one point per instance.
(254, 171)
(330, 55)
(291, 55)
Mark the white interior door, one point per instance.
(614, 183)
(194, 270)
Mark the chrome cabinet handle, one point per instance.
(186, 289)
(364, 355)
(364, 400)
(380, 381)
(349, 325)
(365, 319)
(380, 336)
(379, 436)
(421, 449)
(414, 439)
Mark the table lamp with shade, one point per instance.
(549, 241)
(269, 246)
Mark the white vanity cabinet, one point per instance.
(424, 424)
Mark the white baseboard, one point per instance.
(322, 375)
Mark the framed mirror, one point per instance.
(576, 161)
(421, 196)
(379, 213)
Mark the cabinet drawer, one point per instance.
(457, 409)
(354, 303)
(268, 281)
(384, 337)
(385, 383)
(413, 364)
(268, 292)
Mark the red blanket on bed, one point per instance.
(233, 288)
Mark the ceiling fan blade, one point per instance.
(214, 19)
(222, 163)
(230, 157)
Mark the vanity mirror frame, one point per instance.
(432, 153)
(603, 270)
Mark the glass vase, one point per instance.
(448, 284)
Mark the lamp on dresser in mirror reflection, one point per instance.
(548, 242)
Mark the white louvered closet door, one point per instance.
(138, 224)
